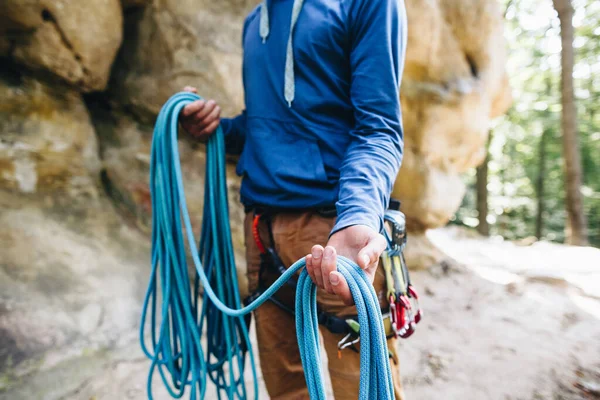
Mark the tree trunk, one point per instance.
(576, 220)
(482, 193)
(502, 219)
(539, 186)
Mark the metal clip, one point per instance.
(413, 293)
(347, 341)
(405, 311)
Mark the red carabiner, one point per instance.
(408, 331)
(406, 317)
(403, 310)
(414, 295)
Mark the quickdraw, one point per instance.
(403, 298)
(405, 311)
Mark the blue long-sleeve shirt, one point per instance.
(341, 140)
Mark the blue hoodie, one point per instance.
(322, 124)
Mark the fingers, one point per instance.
(192, 108)
(214, 114)
(310, 269)
(321, 266)
(210, 128)
(201, 118)
(205, 111)
(368, 256)
(328, 265)
(340, 287)
(320, 263)
(317, 258)
(190, 89)
(200, 109)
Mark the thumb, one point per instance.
(369, 255)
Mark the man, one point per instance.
(321, 131)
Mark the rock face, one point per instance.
(134, 3)
(72, 275)
(176, 43)
(454, 82)
(47, 142)
(74, 40)
(69, 264)
(20, 15)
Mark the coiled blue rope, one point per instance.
(177, 320)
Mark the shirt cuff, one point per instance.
(347, 219)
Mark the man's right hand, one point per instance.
(200, 118)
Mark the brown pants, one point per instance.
(294, 236)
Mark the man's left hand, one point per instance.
(359, 243)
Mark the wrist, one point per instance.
(347, 220)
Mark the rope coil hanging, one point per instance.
(180, 324)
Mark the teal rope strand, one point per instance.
(177, 321)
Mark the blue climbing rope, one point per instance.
(178, 320)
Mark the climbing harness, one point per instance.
(269, 259)
(180, 324)
(271, 262)
(398, 321)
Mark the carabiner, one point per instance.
(413, 293)
(407, 331)
(347, 341)
(400, 309)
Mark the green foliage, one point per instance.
(533, 35)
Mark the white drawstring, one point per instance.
(289, 77)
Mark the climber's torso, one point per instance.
(340, 142)
(290, 149)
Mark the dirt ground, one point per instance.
(502, 321)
